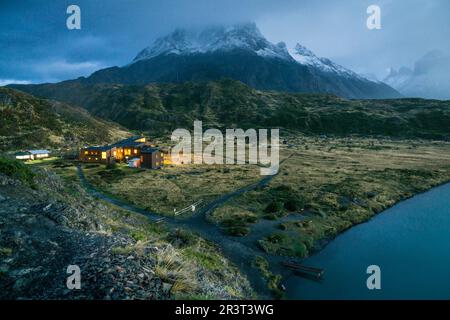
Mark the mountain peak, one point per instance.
(303, 51)
(240, 52)
(244, 36)
(428, 79)
(306, 57)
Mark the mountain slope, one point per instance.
(28, 122)
(232, 104)
(242, 53)
(430, 77)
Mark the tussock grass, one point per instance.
(171, 268)
(18, 170)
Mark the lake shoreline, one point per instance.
(321, 244)
(406, 235)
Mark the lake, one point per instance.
(410, 242)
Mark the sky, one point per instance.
(36, 46)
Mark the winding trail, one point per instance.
(240, 250)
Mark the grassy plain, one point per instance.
(331, 184)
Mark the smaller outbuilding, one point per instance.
(32, 154)
(23, 155)
(134, 163)
(151, 158)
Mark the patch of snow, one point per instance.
(398, 79)
(243, 36)
(306, 57)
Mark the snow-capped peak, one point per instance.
(243, 36)
(303, 51)
(306, 57)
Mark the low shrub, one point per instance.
(18, 170)
(238, 231)
(181, 238)
(274, 207)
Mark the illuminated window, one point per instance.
(114, 153)
(135, 151)
(86, 152)
(157, 164)
(103, 155)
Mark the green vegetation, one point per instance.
(29, 122)
(331, 184)
(40, 161)
(173, 187)
(5, 251)
(273, 280)
(285, 245)
(18, 170)
(160, 108)
(235, 222)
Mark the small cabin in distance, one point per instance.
(32, 154)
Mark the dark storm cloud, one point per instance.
(36, 45)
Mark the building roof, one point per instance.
(100, 148)
(39, 151)
(149, 150)
(130, 142)
(22, 153)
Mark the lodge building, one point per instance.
(136, 151)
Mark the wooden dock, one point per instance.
(316, 273)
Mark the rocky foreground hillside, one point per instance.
(48, 223)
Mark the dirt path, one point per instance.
(240, 250)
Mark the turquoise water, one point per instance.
(410, 242)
